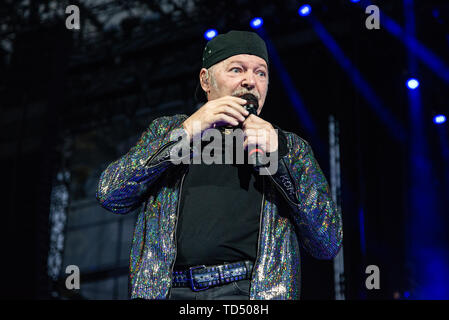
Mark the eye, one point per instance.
(262, 73)
(235, 69)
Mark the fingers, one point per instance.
(234, 102)
(231, 107)
(254, 122)
(253, 141)
(259, 132)
(231, 112)
(223, 119)
(226, 110)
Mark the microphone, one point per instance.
(252, 105)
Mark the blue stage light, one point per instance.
(209, 34)
(256, 23)
(406, 294)
(439, 119)
(305, 10)
(436, 13)
(412, 83)
(355, 1)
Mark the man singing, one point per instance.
(227, 229)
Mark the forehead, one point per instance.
(247, 59)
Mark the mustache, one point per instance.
(241, 92)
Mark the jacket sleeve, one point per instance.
(124, 182)
(300, 179)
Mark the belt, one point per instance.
(201, 277)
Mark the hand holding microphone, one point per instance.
(260, 135)
(240, 112)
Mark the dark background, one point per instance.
(72, 101)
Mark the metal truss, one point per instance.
(141, 56)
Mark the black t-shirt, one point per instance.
(219, 214)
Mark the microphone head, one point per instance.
(252, 104)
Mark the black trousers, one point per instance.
(238, 290)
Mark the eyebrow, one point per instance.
(241, 62)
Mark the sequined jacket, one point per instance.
(297, 209)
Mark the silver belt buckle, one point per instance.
(191, 281)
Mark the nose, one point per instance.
(249, 81)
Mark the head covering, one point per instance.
(230, 44)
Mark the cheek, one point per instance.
(228, 84)
(262, 88)
(263, 93)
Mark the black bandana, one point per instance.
(233, 43)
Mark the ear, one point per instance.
(204, 80)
